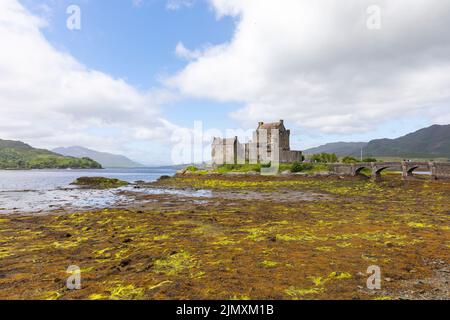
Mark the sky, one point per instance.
(144, 77)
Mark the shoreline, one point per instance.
(128, 194)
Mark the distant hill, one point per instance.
(19, 155)
(431, 142)
(107, 160)
(339, 148)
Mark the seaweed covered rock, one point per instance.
(99, 182)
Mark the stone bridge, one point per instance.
(438, 170)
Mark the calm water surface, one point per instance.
(43, 190)
(53, 179)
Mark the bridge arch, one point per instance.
(378, 170)
(411, 170)
(357, 168)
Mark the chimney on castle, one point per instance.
(281, 121)
(260, 124)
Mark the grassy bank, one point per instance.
(248, 168)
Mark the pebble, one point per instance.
(124, 263)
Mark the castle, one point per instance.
(271, 142)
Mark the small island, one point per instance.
(99, 183)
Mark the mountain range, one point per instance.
(431, 142)
(339, 148)
(19, 155)
(107, 160)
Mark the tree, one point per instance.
(349, 159)
(324, 158)
(299, 167)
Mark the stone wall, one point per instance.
(225, 151)
(290, 156)
(441, 170)
(344, 169)
(217, 152)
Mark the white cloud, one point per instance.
(137, 3)
(48, 98)
(178, 4)
(316, 63)
(182, 52)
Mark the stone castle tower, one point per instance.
(271, 142)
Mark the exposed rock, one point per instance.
(99, 183)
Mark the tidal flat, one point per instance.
(239, 237)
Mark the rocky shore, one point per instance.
(238, 237)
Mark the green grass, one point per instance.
(292, 167)
(239, 168)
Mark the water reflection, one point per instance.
(79, 199)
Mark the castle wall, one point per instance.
(240, 153)
(217, 154)
(225, 151)
(290, 156)
(230, 151)
(251, 154)
(284, 140)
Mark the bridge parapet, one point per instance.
(341, 168)
(438, 170)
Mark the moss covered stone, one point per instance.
(99, 182)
